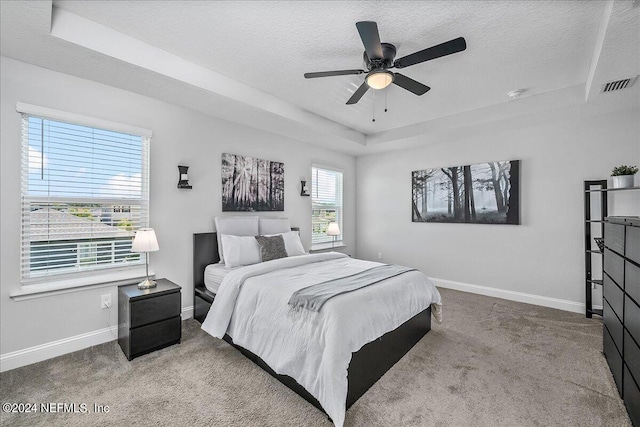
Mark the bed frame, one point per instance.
(367, 365)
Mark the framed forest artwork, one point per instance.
(485, 193)
(250, 184)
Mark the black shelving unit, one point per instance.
(594, 186)
(589, 251)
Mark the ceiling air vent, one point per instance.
(619, 84)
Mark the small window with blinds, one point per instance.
(326, 205)
(84, 192)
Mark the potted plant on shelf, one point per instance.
(623, 176)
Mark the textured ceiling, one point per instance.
(266, 47)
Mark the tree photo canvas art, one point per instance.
(486, 193)
(250, 184)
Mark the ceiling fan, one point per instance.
(379, 58)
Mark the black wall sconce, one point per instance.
(303, 188)
(183, 178)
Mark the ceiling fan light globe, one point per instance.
(379, 79)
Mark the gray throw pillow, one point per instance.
(271, 247)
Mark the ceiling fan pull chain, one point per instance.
(385, 101)
(373, 106)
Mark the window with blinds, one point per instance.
(84, 192)
(326, 204)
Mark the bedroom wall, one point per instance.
(540, 261)
(180, 136)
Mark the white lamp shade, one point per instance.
(333, 229)
(145, 241)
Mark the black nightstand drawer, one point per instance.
(614, 267)
(632, 355)
(632, 398)
(613, 324)
(632, 317)
(154, 336)
(613, 358)
(614, 295)
(614, 237)
(150, 310)
(632, 250)
(148, 319)
(632, 280)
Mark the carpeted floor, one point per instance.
(490, 363)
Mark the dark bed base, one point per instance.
(367, 365)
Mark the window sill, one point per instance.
(78, 284)
(323, 247)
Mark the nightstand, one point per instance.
(148, 319)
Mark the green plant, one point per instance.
(81, 212)
(126, 224)
(624, 170)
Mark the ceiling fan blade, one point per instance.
(443, 49)
(332, 73)
(364, 87)
(370, 38)
(410, 84)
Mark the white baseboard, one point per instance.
(187, 312)
(41, 352)
(38, 353)
(560, 304)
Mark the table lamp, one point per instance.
(144, 242)
(333, 230)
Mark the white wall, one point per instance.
(180, 136)
(545, 255)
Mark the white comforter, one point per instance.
(313, 348)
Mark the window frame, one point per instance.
(101, 273)
(339, 241)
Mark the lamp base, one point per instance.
(147, 283)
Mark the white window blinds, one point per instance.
(84, 192)
(326, 204)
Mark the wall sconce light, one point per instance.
(183, 178)
(303, 188)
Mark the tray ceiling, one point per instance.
(250, 57)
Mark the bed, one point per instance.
(366, 366)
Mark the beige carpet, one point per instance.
(490, 363)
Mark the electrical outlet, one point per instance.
(379, 255)
(105, 301)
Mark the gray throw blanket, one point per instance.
(313, 297)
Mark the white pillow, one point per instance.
(274, 226)
(292, 243)
(237, 226)
(240, 250)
